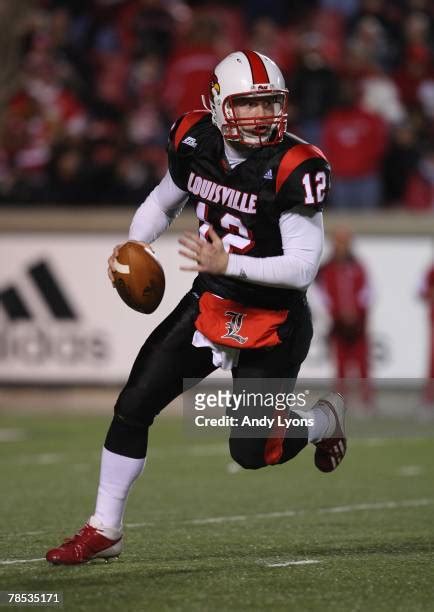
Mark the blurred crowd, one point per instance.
(97, 85)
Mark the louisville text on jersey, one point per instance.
(219, 194)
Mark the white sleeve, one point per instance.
(158, 211)
(302, 244)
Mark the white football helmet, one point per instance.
(248, 99)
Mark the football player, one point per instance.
(258, 193)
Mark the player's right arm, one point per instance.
(153, 216)
(157, 212)
(166, 201)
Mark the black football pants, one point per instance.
(168, 357)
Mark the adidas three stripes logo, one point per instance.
(50, 290)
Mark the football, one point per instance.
(139, 277)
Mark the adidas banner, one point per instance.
(62, 322)
(60, 318)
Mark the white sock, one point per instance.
(321, 423)
(117, 476)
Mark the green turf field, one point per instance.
(204, 536)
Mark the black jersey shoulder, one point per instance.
(290, 140)
(295, 151)
(297, 160)
(192, 135)
(190, 127)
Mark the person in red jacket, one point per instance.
(427, 294)
(344, 285)
(355, 141)
(419, 194)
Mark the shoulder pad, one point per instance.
(293, 158)
(184, 124)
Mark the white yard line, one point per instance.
(49, 458)
(38, 459)
(287, 563)
(411, 503)
(12, 435)
(13, 561)
(216, 519)
(388, 505)
(410, 470)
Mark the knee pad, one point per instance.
(127, 440)
(247, 452)
(135, 408)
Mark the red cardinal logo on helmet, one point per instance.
(214, 86)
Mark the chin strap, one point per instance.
(204, 104)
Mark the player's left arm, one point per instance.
(302, 185)
(157, 212)
(302, 245)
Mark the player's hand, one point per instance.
(209, 257)
(113, 256)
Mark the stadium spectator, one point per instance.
(344, 286)
(140, 63)
(380, 95)
(420, 189)
(399, 162)
(354, 140)
(135, 175)
(427, 294)
(348, 8)
(329, 26)
(269, 38)
(68, 180)
(314, 84)
(149, 26)
(190, 65)
(280, 11)
(415, 74)
(371, 37)
(378, 27)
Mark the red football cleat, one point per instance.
(89, 543)
(332, 448)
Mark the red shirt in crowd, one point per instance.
(354, 140)
(419, 194)
(187, 78)
(345, 287)
(427, 291)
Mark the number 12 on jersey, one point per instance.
(314, 188)
(237, 239)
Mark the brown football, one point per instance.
(139, 278)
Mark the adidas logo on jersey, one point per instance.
(190, 141)
(268, 174)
